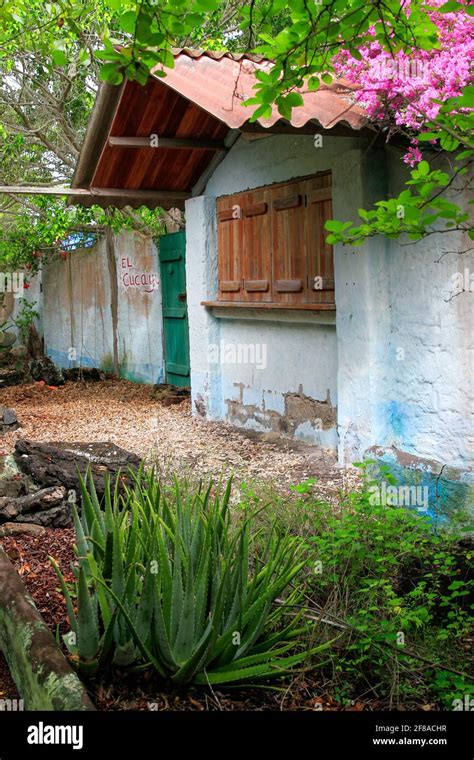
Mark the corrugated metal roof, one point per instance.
(220, 83)
(217, 54)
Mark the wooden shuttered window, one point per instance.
(271, 247)
(243, 225)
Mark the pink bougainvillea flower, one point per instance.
(403, 89)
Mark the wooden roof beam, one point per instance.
(112, 192)
(157, 142)
(38, 190)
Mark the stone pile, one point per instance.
(41, 480)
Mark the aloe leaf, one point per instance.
(88, 632)
(202, 588)
(108, 556)
(139, 642)
(177, 590)
(186, 671)
(290, 632)
(118, 580)
(94, 500)
(107, 644)
(240, 674)
(276, 669)
(166, 579)
(67, 596)
(162, 643)
(183, 644)
(144, 613)
(81, 540)
(255, 659)
(104, 605)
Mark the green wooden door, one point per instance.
(175, 310)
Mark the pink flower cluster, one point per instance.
(403, 89)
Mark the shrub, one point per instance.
(402, 586)
(396, 586)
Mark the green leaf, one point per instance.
(110, 73)
(333, 225)
(264, 112)
(450, 6)
(294, 99)
(67, 596)
(423, 168)
(208, 5)
(87, 628)
(448, 142)
(59, 58)
(127, 21)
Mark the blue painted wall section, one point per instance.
(450, 491)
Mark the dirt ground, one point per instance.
(130, 416)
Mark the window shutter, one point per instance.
(288, 244)
(256, 255)
(229, 246)
(271, 244)
(320, 265)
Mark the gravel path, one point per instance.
(128, 415)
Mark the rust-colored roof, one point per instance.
(201, 98)
(233, 76)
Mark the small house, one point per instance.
(366, 352)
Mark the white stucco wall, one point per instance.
(428, 407)
(398, 359)
(296, 390)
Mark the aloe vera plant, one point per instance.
(166, 579)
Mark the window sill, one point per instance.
(285, 313)
(261, 305)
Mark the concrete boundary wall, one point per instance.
(102, 308)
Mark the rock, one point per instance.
(7, 339)
(168, 394)
(9, 377)
(8, 416)
(13, 487)
(18, 529)
(11, 508)
(44, 678)
(12, 480)
(57, 464)
(84, 373)
(57, 517)
(18, 352)
(8, 420)
(43, 368)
